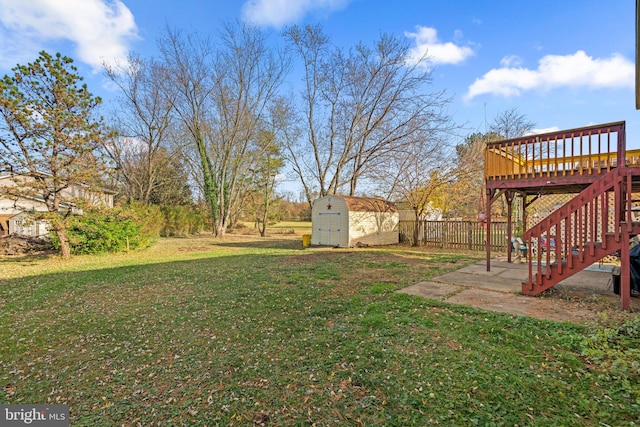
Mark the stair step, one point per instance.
(576, 213)
(552, 274)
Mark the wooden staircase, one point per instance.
(597, 222)
(592, 162)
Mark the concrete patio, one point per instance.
(577, 299)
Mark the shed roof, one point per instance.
(368, 204)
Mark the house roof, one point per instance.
(63, 203)
(79, 184)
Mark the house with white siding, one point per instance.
(16, 211)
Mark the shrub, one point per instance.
(129, 227)
(181, 220)
(149, 217)
(110, 230)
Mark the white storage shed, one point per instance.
(344, 221)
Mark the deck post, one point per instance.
(524, 212)
(509, 196)
(625, 257)
(621, 160)
(487, 224)
(625, 273)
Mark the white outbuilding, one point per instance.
(344, 221)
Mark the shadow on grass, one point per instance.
(28, 258)
(263, 242)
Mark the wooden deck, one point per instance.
(558, 162)
(592, 162)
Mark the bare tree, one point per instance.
(247, 77)
(186, 62)
(221, 97)
(358, 109)
(287, 128)
(143, 121)
(511, 124)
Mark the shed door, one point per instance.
(329, 229)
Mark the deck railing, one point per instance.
(592, 150)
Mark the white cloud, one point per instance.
(100, 30)
(543, 130)
(554, 71)
(277, 13)
(427, 43)
(511, 61)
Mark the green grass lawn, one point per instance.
(299, 227)
(281, 228)
(248, 331)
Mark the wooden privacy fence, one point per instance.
(463, 235)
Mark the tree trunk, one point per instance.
(263, 220)
(210, 188)
(352, 185)
(416, 230)
(219, 229)
(65, 250)
(265, 213)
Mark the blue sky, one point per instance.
(564, 64)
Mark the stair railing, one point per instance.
(573, 231)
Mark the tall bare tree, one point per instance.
(143, 120)
(358, 107)
(221, 95)
(511, 124)
(186, 62)
(50, 136)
